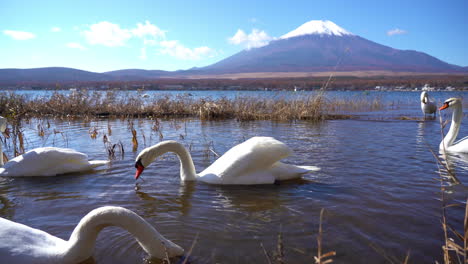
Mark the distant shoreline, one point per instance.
(261, 81)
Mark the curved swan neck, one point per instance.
(83, 238)
(187, 168)
(455, 126)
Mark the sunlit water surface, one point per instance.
(378, 186)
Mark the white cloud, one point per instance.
(255, 39)
(112, 35)
(396, 31)
(74, 45)
(147, 29)
(55, 29)
(19, 35)
(149, 42)
(175, 49)
(107, 34)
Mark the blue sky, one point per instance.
(170, 35)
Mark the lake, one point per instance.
(378, 185)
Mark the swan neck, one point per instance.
(454, 127)
(83, 238)
(187, 168)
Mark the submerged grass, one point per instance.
(90, 104)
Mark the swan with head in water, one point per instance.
(448, 143)
(255, 161)
(46, 161)
(428, 106)
(23, 244)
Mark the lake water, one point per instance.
(378, 186)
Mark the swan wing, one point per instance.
(251, 159)
(48, 161)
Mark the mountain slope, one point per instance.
(50, 75)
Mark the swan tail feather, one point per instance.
(309, 168)
(97, 163)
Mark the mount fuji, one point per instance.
(319, 46)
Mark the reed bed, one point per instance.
(91, 104)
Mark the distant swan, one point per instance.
(428, 106)
(47, 161)
(255, 161)
(448, 141)
(23, 244)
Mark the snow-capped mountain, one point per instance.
(319, 27)
(324, 46)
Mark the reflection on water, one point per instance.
(377, 185)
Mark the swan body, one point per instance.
(255, 161)
(448, 143)
(49, 161)
(428, 106)
(23, 244)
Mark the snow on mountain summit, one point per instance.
(319, 27)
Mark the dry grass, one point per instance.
(92, 104)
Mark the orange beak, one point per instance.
(446, 105)
(139, 170)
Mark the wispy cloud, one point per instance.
(176, 49)
(253, 20)
(143, 55)
(55, 29)
(74, 45)
(396, 31)
(19, 35)
(147, 29)
(255, 39)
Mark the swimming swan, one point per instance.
(255, 161)
(23, 244)
(427, 105)
(462, 144)
(46, 161)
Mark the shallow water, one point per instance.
(378, 186)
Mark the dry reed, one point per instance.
(92, 104)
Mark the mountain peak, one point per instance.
(318, 27)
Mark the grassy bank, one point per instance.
(91, 104)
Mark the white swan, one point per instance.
(255, 161)
(23, 244)
(448, 141)
(428, 106)
(47, 161)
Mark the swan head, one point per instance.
(148, 155)
(451, 102)
(423, 97)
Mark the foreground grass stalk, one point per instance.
(322, 258)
